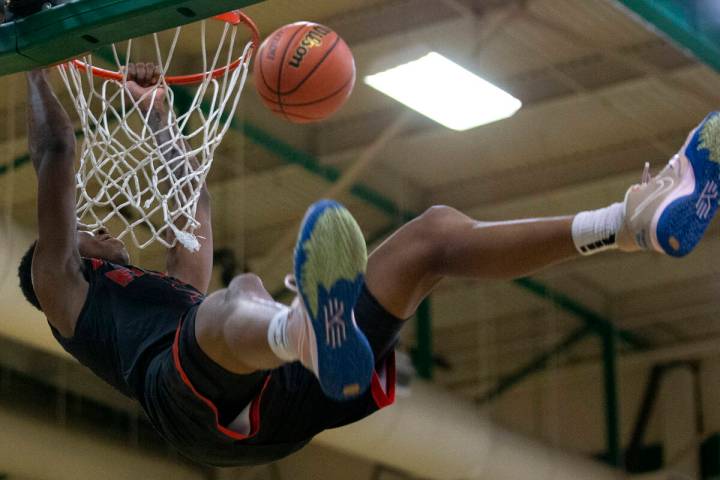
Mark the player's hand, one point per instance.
(142, 79)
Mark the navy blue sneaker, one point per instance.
(670, 212)
(330, 262)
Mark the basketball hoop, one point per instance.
(128, 177)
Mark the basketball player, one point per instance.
(234, 378)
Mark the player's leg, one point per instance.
(243, 330)
(668, 213)
(232, 326)
(444, 242)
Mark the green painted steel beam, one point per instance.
(536, 365)
(423, 354)
(612, 404)
(24, 159)
(598, 323)
(79, 26)
(294, 156)
(14, 164)
(690, 24)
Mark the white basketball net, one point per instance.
(144, 179)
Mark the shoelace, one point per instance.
(291, 283)
(674, 163)
(646, 177)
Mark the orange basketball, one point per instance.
(304, 72)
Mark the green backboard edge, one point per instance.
(80, 26)
(669, 20)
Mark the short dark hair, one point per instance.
(25, 274)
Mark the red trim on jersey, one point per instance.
(96, 263)
(124, 276)
(137, 273)
(254, 407)
(384, 396)
(121, 276)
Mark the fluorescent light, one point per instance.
(445, 92)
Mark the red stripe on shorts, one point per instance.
(384, 396)
(254, 407)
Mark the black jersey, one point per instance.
(129, 316)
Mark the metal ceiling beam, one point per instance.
(599, 324)
(24, 159)
(423, 353)
(554, 173)
(537, 364)
(612, 402)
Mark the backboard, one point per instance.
(79, 26)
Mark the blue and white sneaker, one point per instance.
(670, 212)
(330, 262)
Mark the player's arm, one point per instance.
(194, 268)
(57, 267)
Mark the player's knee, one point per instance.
(439, 215)
(246, 281)
(435, 222)
(433, 228)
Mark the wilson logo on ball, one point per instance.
(312, 39)
(304, 72)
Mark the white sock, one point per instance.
(279, 338)
(291, 337)
(596, 231)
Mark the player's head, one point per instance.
(90, 245)
(100, 244)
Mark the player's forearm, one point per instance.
(174, 149)
(50, 130)
(170, 141)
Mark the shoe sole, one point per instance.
(684, 220)
(330, 261)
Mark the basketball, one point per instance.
(304, 72)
